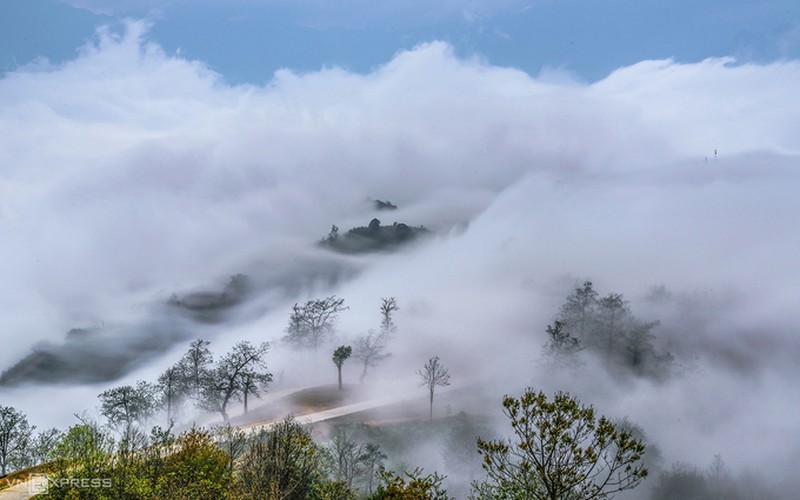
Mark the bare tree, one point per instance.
(194, 366)
(370, 350)
(253, 382)
(15, 435)
(578, 312)
(388, 307)
(172, 388)
(340, 355)
(227, 379)
(433, 374)
(41, 446)
(128, 405)
(310, 323)
(348, 457)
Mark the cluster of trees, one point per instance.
(312, 325)
(716, 482)
(561, 450)
(373, 237)
(606, 326)
(20, 445)
(212, 385)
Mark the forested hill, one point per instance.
(373, 237)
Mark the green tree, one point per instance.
(433, 375)
(15, 435)
(411, 485)
(197, 469)
(562, 451)
(340, 355)
(282, 463)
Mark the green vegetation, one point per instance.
(562, 451)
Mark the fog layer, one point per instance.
(128, 175)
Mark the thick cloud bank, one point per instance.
(127, 175)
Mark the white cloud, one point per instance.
(128, 173)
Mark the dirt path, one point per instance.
(24, 490)
(339, 411)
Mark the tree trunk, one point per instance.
(363, 374)
(340, 377)
(245, 401)
(431, 407)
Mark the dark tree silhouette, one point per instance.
(433, 375)
(310, 323)
(340, 355)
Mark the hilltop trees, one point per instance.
(562, 450)
(606, 326)
(312, 322)
(433, 375)
(15, 434)
(340, 355)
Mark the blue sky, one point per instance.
(248, 40)
(129, 171)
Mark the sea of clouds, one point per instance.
(129, 174)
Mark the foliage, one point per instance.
(340, 355)
(562, 348)
(311, 323)
(373, 237)
(433, 374)
(410, 486)
(606, 326)
(15, 434)
(282, 463)
(563, 451)
(188, 467)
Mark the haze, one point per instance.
(128, 174)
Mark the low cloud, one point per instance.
(130, 175)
